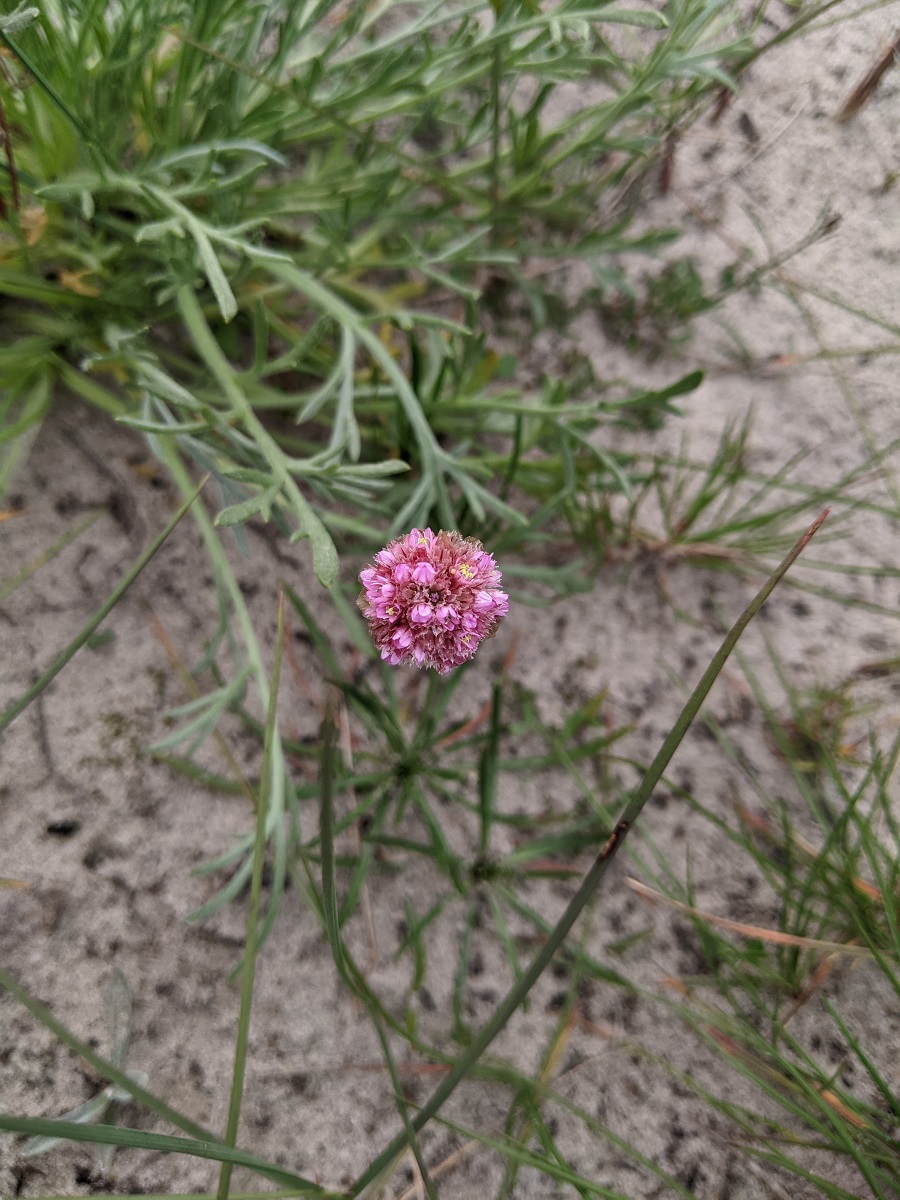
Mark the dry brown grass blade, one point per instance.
(762, 825)
(869, 82)
(815, 981)
(839, 1107)
(450, 1163)
(755, 931)
(549, 866)
(764, 1069)
(464, 730)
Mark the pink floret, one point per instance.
(431, 599)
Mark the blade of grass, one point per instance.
(594, 877)
(54, 96)
(50, 553)
(285, 1195)
(115, 1135)
(326, 834)
(891, 1100)
(103, 1067)
(487, 770)
(402, 1105)
(16, 709)
(259, 847)
(751, 931)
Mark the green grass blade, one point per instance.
(97, 619)
(402, 1104)
(288, 1194)
(330, 906)
(115, 1135)
(45, 556)
(52, 94)
(259, 847)
(487, 770)
(103, 1067)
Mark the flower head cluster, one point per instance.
(430, 598)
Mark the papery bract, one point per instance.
(431, 598)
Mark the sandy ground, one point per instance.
(108, 839)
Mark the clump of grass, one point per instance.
(306, 178)
(826, 852)
(257, 235)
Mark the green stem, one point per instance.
(167, 451)
(326, 834)
(64, 656)
(71, 535)
(259, 848)
(402, 1106)
(496, 75)
(592, 880)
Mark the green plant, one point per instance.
(835, 890)
(321, 887)
(288, 246)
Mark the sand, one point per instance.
(108, 839)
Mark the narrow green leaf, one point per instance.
(261, 503)
(209, 709)
(252, 934)
(318, 636)
(163, 428)
(212, 268)
(392, 466)
(487, 769)
(137, 1139)
(45, 556)
(327, 773)
(401, 1102)
(104, 1068)
(52, 94)
(646, 19)
(249, 475)
(16, 709)
(206, 150)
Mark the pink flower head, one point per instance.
(430, 598)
